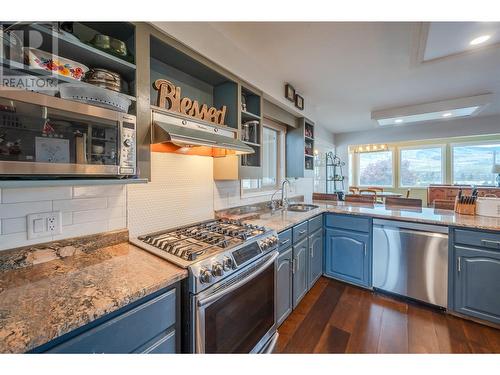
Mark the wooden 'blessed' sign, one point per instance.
(169, 97)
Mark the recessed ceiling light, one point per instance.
(447, 114)
(398, 120)
(479, 40)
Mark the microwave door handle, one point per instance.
(236, 285)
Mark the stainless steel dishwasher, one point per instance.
(411, 259)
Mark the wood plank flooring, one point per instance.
(338, 318)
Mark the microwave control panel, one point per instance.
(128, 148)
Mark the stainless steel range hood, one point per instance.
(172, 133)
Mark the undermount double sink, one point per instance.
(301, 207)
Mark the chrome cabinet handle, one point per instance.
(312, 251)
(489, 243)
(459, 264)
(302, 231)
(285, 241)
(293, 265)
(365, 250)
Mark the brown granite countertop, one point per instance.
(281, 220)
(45, 300)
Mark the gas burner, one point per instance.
(191, 242)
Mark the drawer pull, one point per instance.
(459, 264)
(285, 241)
(301, 232)
(489, 243)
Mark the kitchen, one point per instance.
(159, 194)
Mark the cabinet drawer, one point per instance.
(285, 239)
(315, 223)
(128, 331)
(476, 238)
(299, 232)
(349, 222)
(164, 344)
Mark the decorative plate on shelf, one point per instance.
(39, 59)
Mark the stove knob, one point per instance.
(205, 276)
(264, 245)
(228, 263)
(217, 269)
(127, 142)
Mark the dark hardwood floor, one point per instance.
(338, 318)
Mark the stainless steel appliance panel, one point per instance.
(238, 315)
(411, 260)
(47, 136)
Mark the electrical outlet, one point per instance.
(44, 224)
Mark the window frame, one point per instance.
(461, 144)
(421, 147)
(281, 129)
(392, 150)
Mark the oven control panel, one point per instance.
(215, 269)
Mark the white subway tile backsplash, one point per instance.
(82, 229)
(13, 240)
(97, 209)
(100, 214)
(12, 210)
(36, 194)
(14, 225)
(97, 191)
(80, 204)
(117, 223)
(117, 200)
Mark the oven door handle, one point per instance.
(236, 285)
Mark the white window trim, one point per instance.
(269, 190)
(468, 143)
(418, 147)
(394, 166)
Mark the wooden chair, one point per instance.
(358, 198)
(374, 192)
(444, 204)
(353, 189)
(325, 197)
(403, 202)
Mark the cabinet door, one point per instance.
(347, 257)
(315, 257)
(284, 286)
(300, 266)
(477, 283)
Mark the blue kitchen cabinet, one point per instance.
(476, 274)
(315, 268)
(300, 266)
(347, 256)
(348, 248)
(284, 280)
(150, 325)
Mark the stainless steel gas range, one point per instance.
(231, 284)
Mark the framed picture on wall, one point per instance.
(299, 102)
(289, 92)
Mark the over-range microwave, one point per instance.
(48, 137)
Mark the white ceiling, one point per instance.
(345, 70)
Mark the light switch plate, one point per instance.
(44, 224)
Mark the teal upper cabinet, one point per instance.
(84, 43)
(300, 149)
(476, 274)
(196, 80)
